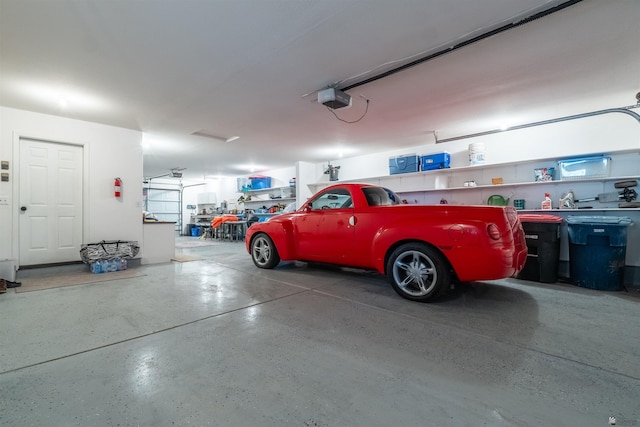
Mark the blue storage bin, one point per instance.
(196, 231)
(260, 182)
(436, 161)
(597, 251)
(404, 164)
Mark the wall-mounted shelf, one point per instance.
(273, 192)
(284, 200)
(521, 171)
(270, 190)
(524, 184)
(428, 187)
(269, 196)
(522, 167)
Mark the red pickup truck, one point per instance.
(420, 248)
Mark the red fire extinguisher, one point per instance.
(117, 186)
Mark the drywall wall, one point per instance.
(598, 134)
(110, 152)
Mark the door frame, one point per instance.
(15, 205)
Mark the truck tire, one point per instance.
(263, 252)
(418, 272)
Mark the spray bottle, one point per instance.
(546, 203)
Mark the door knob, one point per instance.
(23, 208)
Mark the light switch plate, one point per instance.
(4, 201)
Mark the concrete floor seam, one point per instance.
(305, 289)
(479, 335)
(152, 333)
(414, 318)
(262, 277)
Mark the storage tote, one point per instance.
(585, 168)
(404, 164)
(436, 161)
(260, 182)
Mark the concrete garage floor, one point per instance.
(218, 342)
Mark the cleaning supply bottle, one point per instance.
(546, 203)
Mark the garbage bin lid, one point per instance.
(540, 218)
(614, 220)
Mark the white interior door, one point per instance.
(50, 189)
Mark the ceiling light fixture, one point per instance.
(206, 134)
(61, 96)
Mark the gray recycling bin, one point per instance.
(597, 251)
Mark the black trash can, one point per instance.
(542, 233)
(597, 251)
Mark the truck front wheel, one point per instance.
(263, 252)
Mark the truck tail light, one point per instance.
(493, 231)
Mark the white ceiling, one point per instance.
(174, 67)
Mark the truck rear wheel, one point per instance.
(418, 272)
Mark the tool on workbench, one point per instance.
(626, 196)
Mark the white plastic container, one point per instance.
(442, 182)
(477, 153)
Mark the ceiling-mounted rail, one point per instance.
(459, 45)
(623, 110)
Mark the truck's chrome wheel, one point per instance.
(263, 252)
(418, 272)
